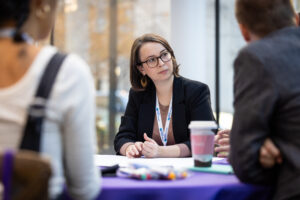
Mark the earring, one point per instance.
(144, 81)
(41, 13)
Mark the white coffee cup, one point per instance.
(202, 142)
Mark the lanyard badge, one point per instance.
(163, 132)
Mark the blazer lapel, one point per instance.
(178, 113)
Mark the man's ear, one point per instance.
(141, 69)
(245, 32)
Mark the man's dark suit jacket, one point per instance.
(191, 101)
(267, 105)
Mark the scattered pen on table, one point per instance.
(144, 172)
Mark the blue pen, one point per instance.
(137, 166)
(124, 172)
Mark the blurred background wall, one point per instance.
(102, 32)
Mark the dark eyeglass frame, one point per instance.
(156, 59)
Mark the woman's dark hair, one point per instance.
(135, 74)
(16, 11)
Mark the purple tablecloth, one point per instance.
(199, 186)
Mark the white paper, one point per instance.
(123, 161)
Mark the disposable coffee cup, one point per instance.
(202, 142)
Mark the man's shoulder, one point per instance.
(272, 44)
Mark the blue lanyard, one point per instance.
(163, 132)
(9, 32)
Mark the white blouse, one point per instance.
(68, 136)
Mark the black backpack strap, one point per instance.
(36, 113)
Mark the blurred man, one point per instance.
(265, 137)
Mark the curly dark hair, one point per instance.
(16, 11)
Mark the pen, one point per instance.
(136, 165)
(164, 172)
(143, 172)
(140, 174)
(181, 174)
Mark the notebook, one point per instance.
(215, 168)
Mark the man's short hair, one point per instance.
(262, 17)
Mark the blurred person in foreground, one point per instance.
(265, 136)
(68, 135)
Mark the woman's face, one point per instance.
(149, 53)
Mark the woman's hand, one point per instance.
(222, 141)
(269, 154)
(134, 150)
(150, 147)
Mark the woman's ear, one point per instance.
(141, 69)
(41, 8)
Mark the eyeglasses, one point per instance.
(153, 61)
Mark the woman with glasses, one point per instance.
(161, 103)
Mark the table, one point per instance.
(199, 186)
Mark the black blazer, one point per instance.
(267, 105)
(191, 101)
